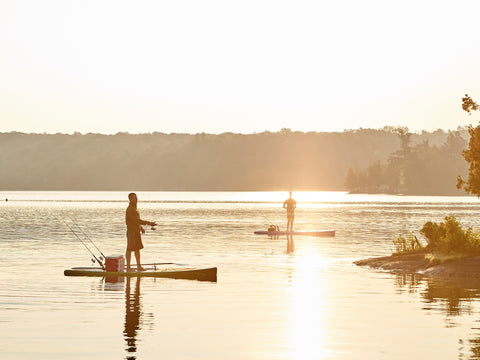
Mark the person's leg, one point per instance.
(137, 257)
(128, 255)
(290, 223)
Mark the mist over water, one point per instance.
(275, 298)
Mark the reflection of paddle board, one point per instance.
(167, 271)
(322, 233)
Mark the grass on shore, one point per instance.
(446, 241)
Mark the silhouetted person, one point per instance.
(134, 230)
(290, 205)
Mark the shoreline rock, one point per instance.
(465, 270)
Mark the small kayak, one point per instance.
(172, 271)
(322, 233)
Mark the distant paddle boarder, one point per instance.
(134, 230)
(290, 205)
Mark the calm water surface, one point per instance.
(274, 299)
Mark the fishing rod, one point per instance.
(78, 237)
(271, 226)
(83, 232)
(270, 222)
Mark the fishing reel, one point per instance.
(99, 260)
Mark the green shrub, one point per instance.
(449, 237)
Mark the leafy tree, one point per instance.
(469, 105)
(352, 181)
(472, 153)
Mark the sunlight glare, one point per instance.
(307, 327)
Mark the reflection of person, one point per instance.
(290, 205)
(134, 228)
(132, 316)
(290, 245)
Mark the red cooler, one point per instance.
(115, 263)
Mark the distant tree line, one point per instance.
(372, 160)
(415, 169)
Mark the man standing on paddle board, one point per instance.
(290, 205)
(134, 228)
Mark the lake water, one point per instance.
(274, 299)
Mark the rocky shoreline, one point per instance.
(464, 270)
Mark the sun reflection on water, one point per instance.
(307, 326)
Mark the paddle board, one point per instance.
(170, 271)
(322, 233)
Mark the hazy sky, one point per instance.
(239, 66)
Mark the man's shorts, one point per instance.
(290, 216)
(134, 241)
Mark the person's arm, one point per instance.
(145, 222)
(133, 220)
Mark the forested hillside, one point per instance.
(264, 161)
(414, 169)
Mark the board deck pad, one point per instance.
(169, 271)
